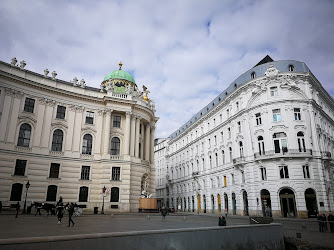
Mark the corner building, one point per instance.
(264, 146)
(71, 140)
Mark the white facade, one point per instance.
(71, 140)
(263, 146)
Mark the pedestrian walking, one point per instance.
(60, 213)
(222, 221)
(320, 223)
(164, 213)
(70, 209)
(17, 209)
(324, 222)
(39, 206)
(226, 212)
(330, 219)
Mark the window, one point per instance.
(115, 146)
(216, 155)
(29, 105)
(237, 105)
(242, 177)
(24, 135)
(263, 174)
(90, 117)
(222, 136)
(261, 145)
(229, 133)
(87, 144)
(230, 149)
(227, 113)
(253, 75)
(116, 173)
(209, 143)
(239, 126)
(16, 193)
(241, 148)
(52, 193)
(225, 183)
(283, 171)
(83, 195)
(232, 178)
(54, 170)
(301, 142)
(114, 196)
(57, 140)
(306, 172)
(291, 68)
(223, 156)
(140, 129)
(20, 167)
(258, 119)
(273, 91)
(139, 150)
(277, 115)
(215, 139)
(61, 110)
(85, 172)
(280, 142)
(117, 121)
(210, 161)
(297, 114)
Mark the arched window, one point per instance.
(216, 155)
(115, 146)
(253, 75)
(57, 140)
(24, 135)
(280, 142)
(52, 193)
(241, 148)
(87, 144)
(261, 145)
(210, 159)
(16, 193)
(114, 196)
(231, 158)
(301, 142)
(291, 67)
(223, 156)
(83, 195)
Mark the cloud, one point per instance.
(185, 52)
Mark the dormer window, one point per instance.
(291, 67)
(253, 75)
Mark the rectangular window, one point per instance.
(258, 119)
(29, 105)
(232, 177)
(263, 174)
(61, 112)
(229, 133)
(116, 173)
(117, 121)
(283, 171)
(215, 139)
(227, 113)
(273, 91)
(277, 115)
(221, 118)
(90, 117)
(239, 127)
(242, 176)
(222, 136)
(306, 172)
(20, 167)
(85, 172)
(297, 114)
(54, 170)
(225, 183)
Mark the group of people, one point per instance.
(322, 221)
(61, 210)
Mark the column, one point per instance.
(14, 115)
(106, 136)
(71, 127)
(77, 129)
(132, 135)
(127, 133)
(99, 127)
(137, 137)
(147, 141)
(152, 144)
(5, 114)
(39, 124)
(46, 130)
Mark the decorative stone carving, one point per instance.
(22, 64)
(271, 72)
(287, 82)
(82, 83)
(75, 81)
(46, 72)
(54, 74)
(14, 61)
(145, 93)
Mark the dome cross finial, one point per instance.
(120, 65)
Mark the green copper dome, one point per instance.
(120, 74)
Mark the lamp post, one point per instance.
(104, 191)
(25, 200)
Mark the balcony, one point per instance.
(239, 160)
(286, 152)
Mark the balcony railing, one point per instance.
(286, 152)
(116, 157)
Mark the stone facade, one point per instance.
(71, 140)
(264, 146)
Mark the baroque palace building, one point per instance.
(264, 146)
(91, 146)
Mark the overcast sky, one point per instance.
(185, 52)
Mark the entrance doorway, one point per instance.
(234, 204)
(288, 203)
(266, 203)
(219, 204)
(193, 203)
(204, 201)
(311, 203)
(245, 199)
(199, 203)
(212, 204)
(226, 203)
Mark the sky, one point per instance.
(186, 52)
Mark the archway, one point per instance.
(245, 199)
(234, 204)
(226, 203)
(212, 204)
(199, 203)
(193, 203)
(219, 204)
(311, 203)
(266, 203)
(185, 204)
(288, 203)
(204, 202)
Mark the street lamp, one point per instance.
(104, 192)
(25, 201)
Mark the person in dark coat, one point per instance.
(320, 223)
(17, 209)
(39, 206)
(164, 213)
(324, 222)
(70, 209)
(330, 219)
(222, 221)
